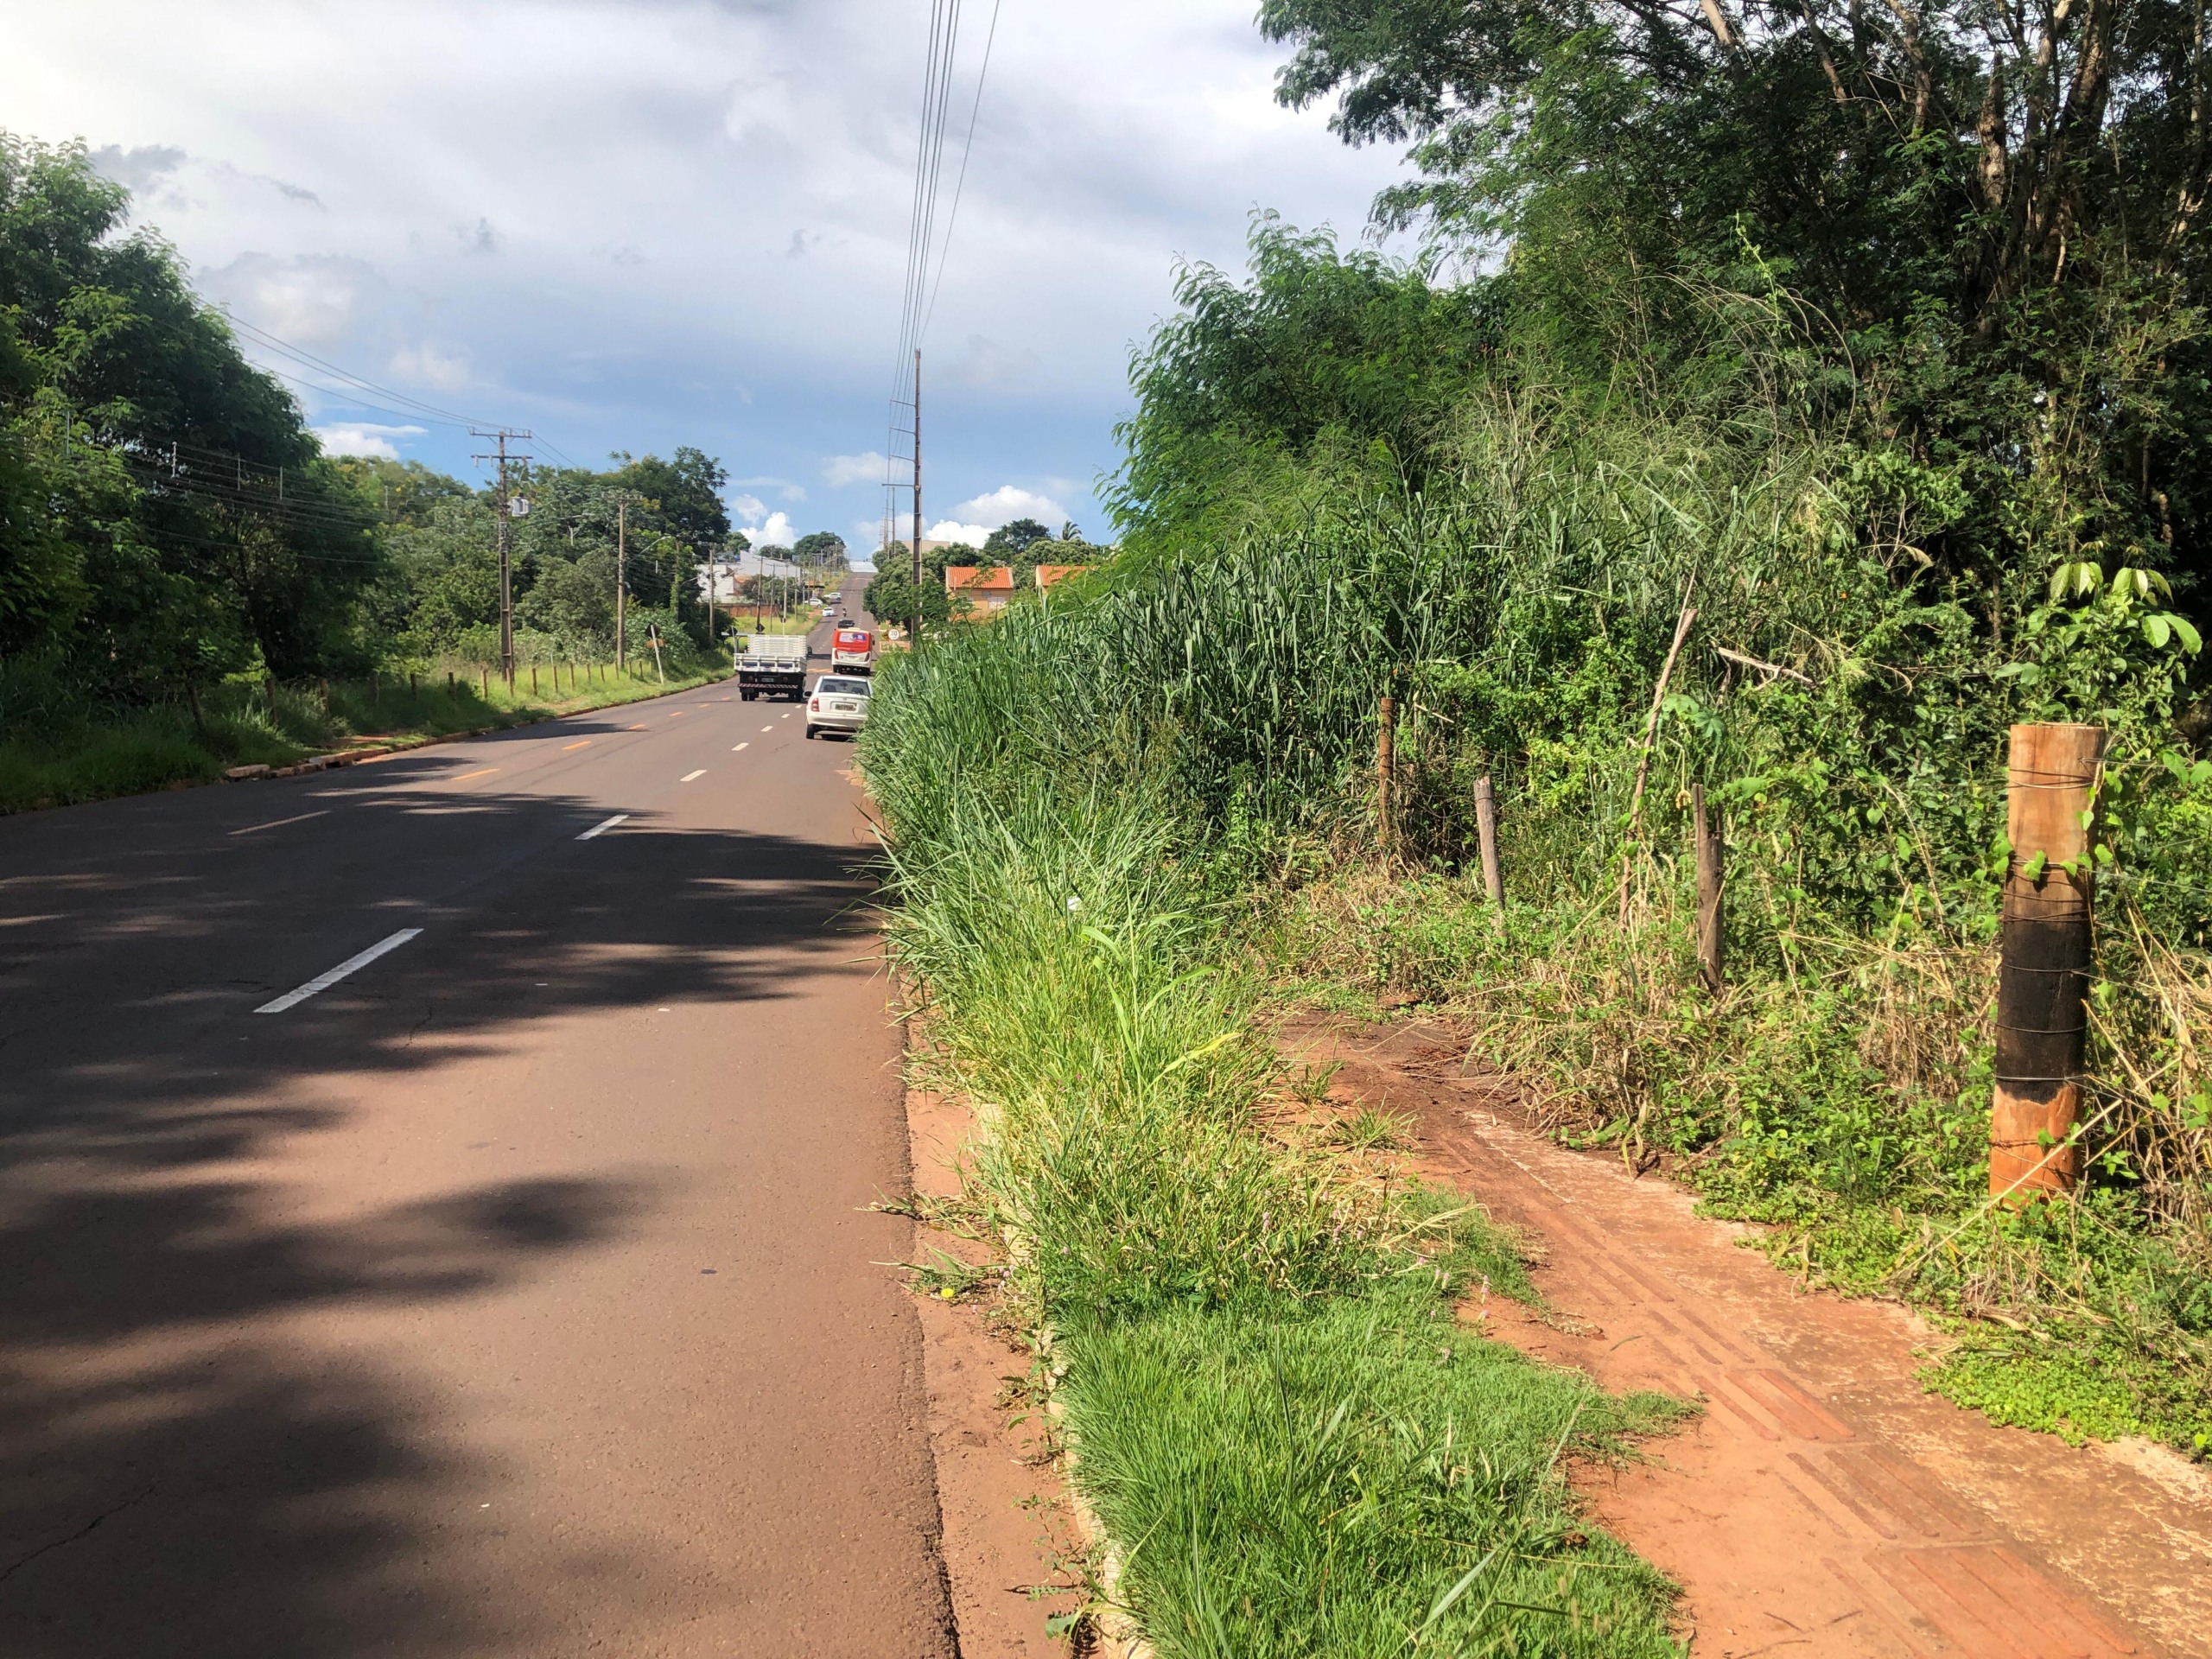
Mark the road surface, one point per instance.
(515, 1294)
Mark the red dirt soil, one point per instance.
(1008, 1527)
(1824, 1504)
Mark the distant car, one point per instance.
(839, 704)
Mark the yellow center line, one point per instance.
(483, 773)
(586, 744)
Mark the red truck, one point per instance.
(852, 651)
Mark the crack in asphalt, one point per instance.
(85, 1531)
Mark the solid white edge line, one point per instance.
(352, 964)
(598, 830)
(689, 776)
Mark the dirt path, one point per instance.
(1008, 1533)
(1824, 1505)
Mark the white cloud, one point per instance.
(864, 468)
(431, 365)
(951, 530)
(579, 152)
(762, 528)
(785, 488)
(987, 363)
(310, 300)
(1008, 503)
(364, 438)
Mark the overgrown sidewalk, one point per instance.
(1824, 1500)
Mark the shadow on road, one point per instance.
(179, 1472)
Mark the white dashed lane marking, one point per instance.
(689, 776)
(352, 964)
(279, 823)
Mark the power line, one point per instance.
(410, 407)
(966, 150)
(920, 288)
(298, 354)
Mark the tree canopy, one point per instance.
(1972, 229)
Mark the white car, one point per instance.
(839, 704)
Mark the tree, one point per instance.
(891, 595)
(166, 516)
(823, 551)
(1974, 225)
(1009, 542)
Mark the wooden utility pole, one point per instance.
(1486, 833)
(1712, 942)
(506, 583)
(2043, 962)
(622, 500)
(1386, 725)
(918, 495)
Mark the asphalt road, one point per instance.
(515, 1294)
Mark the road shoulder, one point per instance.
(1010, 1547)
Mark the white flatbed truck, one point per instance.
(771, 664)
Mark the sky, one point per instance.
(629, 225)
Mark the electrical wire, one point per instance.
(420, 407)
(921, 230)
(408, 406)
(966, 150)
(920, 290)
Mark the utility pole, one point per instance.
(622, 500)
(507, 580)
(918, 495)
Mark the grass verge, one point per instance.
(56, 757)
(1294, 1447)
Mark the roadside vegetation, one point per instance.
(1880, 343)
(177, 553)
(62, 751)
(1295, 1446)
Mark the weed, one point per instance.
(1370, 1130)
(1312, 1082)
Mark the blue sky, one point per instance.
(628, 225)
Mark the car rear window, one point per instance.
(844, 688)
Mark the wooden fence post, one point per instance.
(1386, 725)
(1486, 833)
(2043, 962)
(533, 679)
(484, 681)
(1711, 935)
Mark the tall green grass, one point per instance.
(1294, 1448)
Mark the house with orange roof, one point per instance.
(986, 588)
